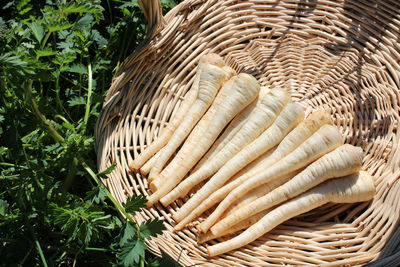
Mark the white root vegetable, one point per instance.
(259, 192)
(199, 130)
(218, 195)
(204, 237)
(222, 192)
(290, 116)
(326, 139)
(232, 128)
(261, 117)
(243, 91)
(350, 189)
(210, 81)
(342, 161)
(297, 136)
(244, 200)
(255, 164)
(167, 132)
(145, 169)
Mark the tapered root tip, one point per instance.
(173, 214)
(219, 249)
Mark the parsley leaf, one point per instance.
(151, 228)
(128, 233)
(132, 252)
(135, 204)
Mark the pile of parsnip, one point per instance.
(261, 160)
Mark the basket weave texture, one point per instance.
(341, 56)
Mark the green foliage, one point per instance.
(57, 59)
(132, 242)
(135, 204)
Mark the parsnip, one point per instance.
(353, 188)
(204, 237)
(344, 160)
(199, 130)
(219, 195)
(232, 128)
(145, 169)
(261, 117)
(290, 116)
(297, 136)
(201, 127)
(243, 91)
(255, 164)
(326, 139)
(210, 81)
(259, 192)
(190, 97)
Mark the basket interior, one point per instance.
(341, 56)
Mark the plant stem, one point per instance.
(56, 136)
(12, 165)
(58, 100)
(142, 261)
(88, 101)
(39, 248)
(97, 249)
(113, 200)
(110, 11)
(45, 39)
(71, 174)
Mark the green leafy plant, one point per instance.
(57, 59)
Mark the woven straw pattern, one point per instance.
(342, 56)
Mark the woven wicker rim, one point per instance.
(342, 56)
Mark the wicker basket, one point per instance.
(342, 56)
